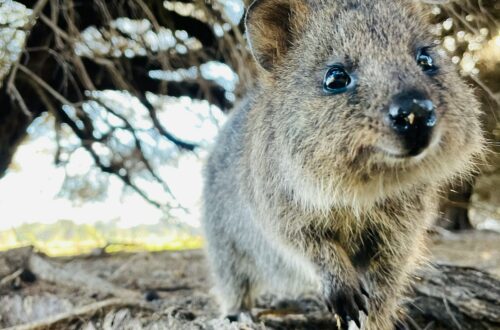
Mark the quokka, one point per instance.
(326, 176)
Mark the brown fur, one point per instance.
(302, 180)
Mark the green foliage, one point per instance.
(67, 238)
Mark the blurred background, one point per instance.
(108, 109)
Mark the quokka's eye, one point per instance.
(336, 80)
(426, 62)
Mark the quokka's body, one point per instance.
(326, 177)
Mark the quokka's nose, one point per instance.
(412, 116)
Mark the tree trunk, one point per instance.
(13, 125)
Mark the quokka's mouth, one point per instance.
(398, 154)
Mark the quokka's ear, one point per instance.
(272, 26)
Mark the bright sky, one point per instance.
(28, 193)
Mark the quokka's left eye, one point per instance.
(336, 80)
(426, 62)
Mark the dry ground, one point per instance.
(170, 290)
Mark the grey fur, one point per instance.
(298, 194)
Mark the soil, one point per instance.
(169, 290)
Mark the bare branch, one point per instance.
(162, 130)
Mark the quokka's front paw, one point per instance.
(347, 301)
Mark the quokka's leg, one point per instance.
(388, 278)
(235, 278)
(342, 289)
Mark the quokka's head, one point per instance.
(357, 104)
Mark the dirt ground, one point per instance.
(168, 290)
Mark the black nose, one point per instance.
(413, 116)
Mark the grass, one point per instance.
(66, 238)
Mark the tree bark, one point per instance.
(452, 297)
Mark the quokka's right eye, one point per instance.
(426, 62)
(336, 80)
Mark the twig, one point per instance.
(79, 312)
(7, 279)
(429, 326)
(44, 85)
(156, 122)
(57, 30)
(56, 274)
(445, 301)
(37, 9)
(18, 97)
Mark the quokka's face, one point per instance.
(368, 106)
